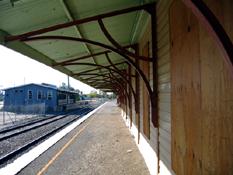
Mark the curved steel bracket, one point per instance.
(101, 45)
(110, 69)
(118, 46)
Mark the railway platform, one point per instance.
(102, 144)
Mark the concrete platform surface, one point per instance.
(102, 145)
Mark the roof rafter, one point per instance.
(80, 58)
(124, 62)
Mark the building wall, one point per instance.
(164, 86)
(18, 96)
(164, 93)
(195, 95)
(14, 97)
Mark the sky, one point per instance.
(17, 69)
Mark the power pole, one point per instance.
(68, 79)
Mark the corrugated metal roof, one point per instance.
(49, 86)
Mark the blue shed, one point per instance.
(37, 98)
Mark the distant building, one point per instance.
(37, 98)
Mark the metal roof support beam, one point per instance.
(127, 58)
(106, 67)
(91, 70)
(76, 63)
(121, 86)
(111, 63)
(154, 105)
(77, 22)
(137, 100)
(129, 84)
(87, 56)
(71, 18)
(126, 102)
(97, 75)
(96, 80)
(80, 58)
(130, 95)
(103, 73)
(117, 45)
(90, 78)
(109, 82)
(125, 89)
(94, 77)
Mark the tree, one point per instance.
(93, 94)
(65, 87)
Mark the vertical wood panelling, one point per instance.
(145, 111)
(202, 94)
(146, 100)
(186, 126)
(217, 97)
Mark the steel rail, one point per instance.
(14, 153)
(33, 127)
(5, 130)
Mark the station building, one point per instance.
(37, 98)
(170, 63)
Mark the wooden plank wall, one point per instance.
(152, 139)
(202, 94)
(163, 87)
(146, 98)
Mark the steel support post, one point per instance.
(137, 99)
(126, 103)
(154, 102)
(130, 96)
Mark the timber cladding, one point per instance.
(144, 48)
(202, 94)
(146, 99)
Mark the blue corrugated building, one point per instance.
(37, 98)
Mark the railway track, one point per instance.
(31, 122)
(8, 133)
(22, 138)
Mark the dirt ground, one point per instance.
(104, 147)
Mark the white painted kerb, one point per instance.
(28, 157)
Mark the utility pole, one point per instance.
(68, 79)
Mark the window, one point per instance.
(49, 95)
(39, 95)
(29, 94)
(21, 90)
(16, 91)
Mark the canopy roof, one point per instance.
(91, 63)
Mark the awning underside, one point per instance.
(80, 60)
